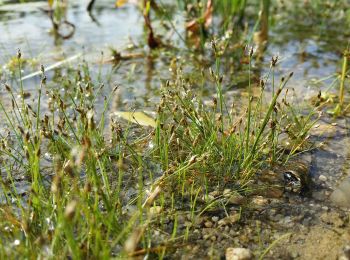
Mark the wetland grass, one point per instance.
(78, 183)
(77, 203)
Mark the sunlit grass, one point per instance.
(79, 168)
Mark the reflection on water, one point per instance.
(27, 26)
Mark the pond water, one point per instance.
(27, 26)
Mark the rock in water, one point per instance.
(341, 195)
(238, 254)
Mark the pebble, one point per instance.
(215, 218)
(237, 199)
(155, 210)
(223, 222)
(260, 201)
(322, 178)
(207, 198)
(214, 193)
(48, 157)
(230, 219)
(208, 224)
(226, 192)
(188, 224)
(206, 236)
(232, 232)
(341, 195)
(238, 254)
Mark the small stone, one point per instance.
(340, 198)
(325, 130)
(229, 220)
(238, 254)
(223, 222)
(155, 210)
(322, 178)
(208, 224)
(236, 199)
(234, 218)
(260, 201)
(214, 193)
(207, 198)
(213, 238)
(208, 230)
(206, 236)
(215, 218)
(198, 221)
(188, 224)
(341, 195)
(48, 157)
(226, 192)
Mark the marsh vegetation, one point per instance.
(173, 129)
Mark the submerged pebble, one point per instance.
(341, 195)
(322, 178)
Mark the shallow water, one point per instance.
(28, 27)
